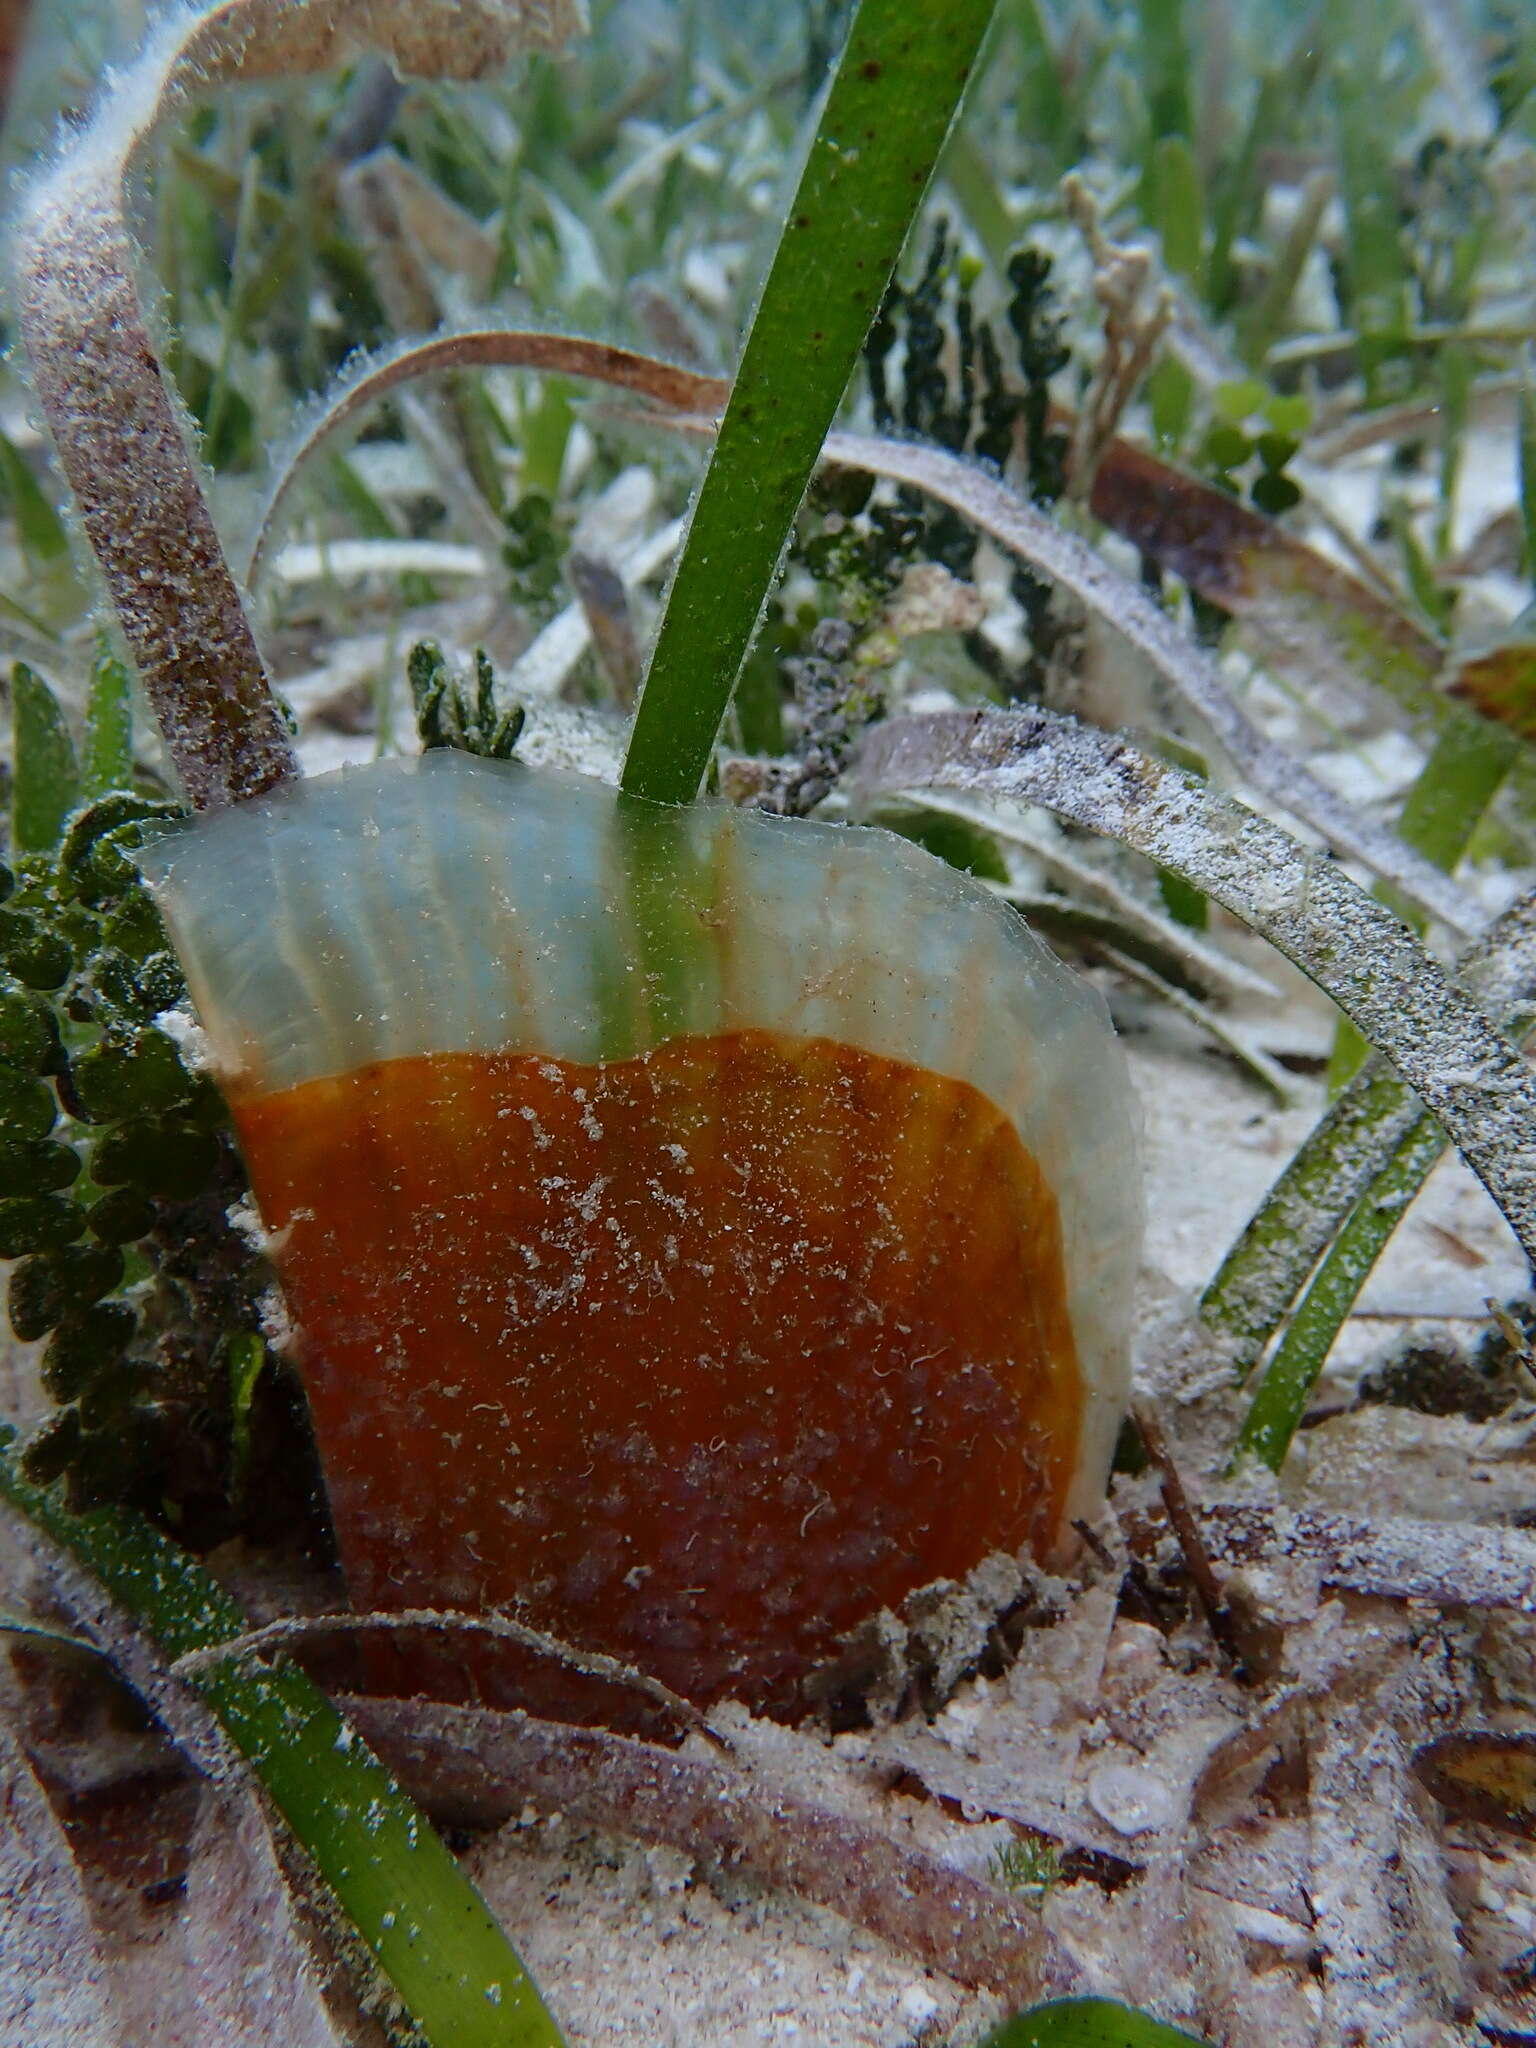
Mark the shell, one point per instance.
(702, 1227)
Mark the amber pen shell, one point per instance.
(426, 948)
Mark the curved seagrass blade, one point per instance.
(704, 1227)
(119, 436)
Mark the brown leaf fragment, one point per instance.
(428, 221)
(1202, 534)
(1307, 614)
(603, 598)
(1501, 684)
(1496, 549)
(52, 1979)
(470, 1765)
(1483, 1776)
(13, 36)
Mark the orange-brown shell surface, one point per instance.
(701, 1228)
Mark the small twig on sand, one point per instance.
(1209, 1590)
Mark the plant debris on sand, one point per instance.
(1169, 568)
